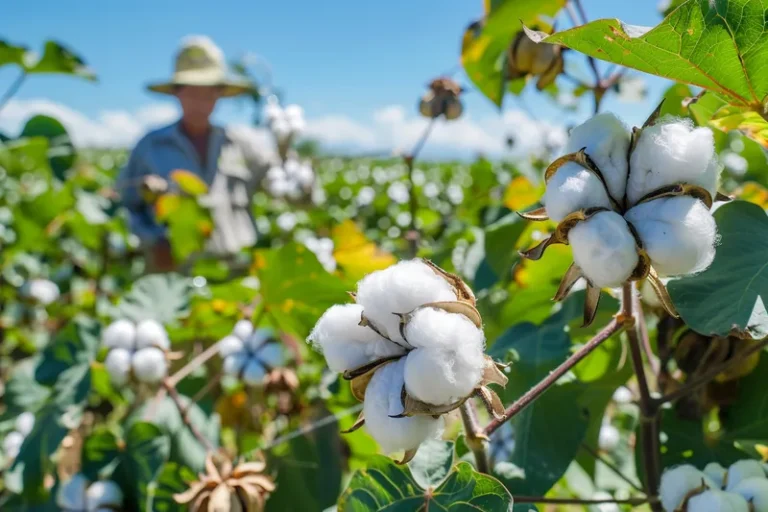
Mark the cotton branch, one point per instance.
(413, 203)
(476, 440)
(171, 390)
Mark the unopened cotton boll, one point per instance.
(234, 363)
(12, 444)
(382, 400)
(669, 152)
(609, 437)
(677, 482)
(120, 334)
(43, 291)
(150, 333)
(448, 362)
(742, 470)
(230, 345)
(149, 365)
(103, 493)
(118, 365)
(24, 423)
(253, 373)
(717, 501)
(678, 233)
(400, 288)
(606, 140)
(243, 329)
(573, 188)
(604, 249)
(71, 494)
(346, 344)
(755, 491)
(716, 473)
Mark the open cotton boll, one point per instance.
(609, 437)
(678, 481)
(716, 473)
(606, 140)
(270, 354)
(120, 334)
(71, 494)
(382, 400)
(149, 365)
(149, 333)
(604, 249)
(103, 493)
(755, 491)
(229, 345)
(672, 151)
(344, 343)
(234, 363)
(257, 339)
(253, 373)
(742, 470)
(573, 188)
(243, 329)
(118, 365)
(717, 501)
(12, 444)
(400, 288)
(678, 233)
(24, 423)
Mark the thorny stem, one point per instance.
(413, 202)
(476, 440)
(577, 501)
(13, 89)
(610, 465)
(524, 401)
(171, 390)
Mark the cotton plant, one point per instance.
(285, 123)
(22, 427)
(249, 354)
(742, 487)
(632, 205)
(293, 179)
(322, 247)
(78, 494)
(137, 351)
(412, 346)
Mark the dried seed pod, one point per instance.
(525, 57)
(442, 99)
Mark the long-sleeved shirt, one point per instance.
(234, 169)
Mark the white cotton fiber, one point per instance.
(448, 362)
(12, 444)
(118, 365)
(71, 494)
(742, 470)
(229, 345)
(609, 438)
(149, 333)
(234, 363)
(400, 288)
(344, 343)
(382, 400)
(257, 339)
(717, 501)
(716, 473)
(253, 373)
(149, 365)
(103, 493)
(607, 142)
(24, 423)
(270, 354)
(678, 233)
(604, 249)
(755, 491)
(243, 329)
(120, 334)
(678, 481)
(670, 152)
(571, 189)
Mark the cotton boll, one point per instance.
(149, 333)
(672, 152)
(103, 493)
(622, 395)
(382, 400)
(344, 343)
(605, 507)
(71, 494)
(43, 291)
(118, 365)
(400, 288)
(229, 345)
(716, 473)
(12, 444)
(607, 142)
(149, 365)
(677, 482)
(678, 233)
(243, 329)
(234, 363)
(742, 470)
(604, 249)
(257, 339)
(270, 354)
(755, 491)
(609, 437)
(24, 423)
(717, 501)
(120, 334)
(273, 111)
(573, 188)
(253, 373)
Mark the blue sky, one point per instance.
(340, 58)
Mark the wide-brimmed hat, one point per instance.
(200, 62)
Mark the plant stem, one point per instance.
(171, 390)
(13, 89)
(413, 202)
(521, 403)
(577, 501)
(643, 331)
(594, 453)
(476, 440)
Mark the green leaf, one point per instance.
(500, 240)
(57, 58)
(11, 54)
(732, 293)
(432, 463)
(385, 486)
(100, 449)
(173, 479)
(61, 151)
(189, 224)
(161, 297)
(720, 45)
(75, 346)
(23, 392)
(147, 449)
(189, 182)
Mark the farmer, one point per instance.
(231, 167)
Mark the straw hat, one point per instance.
(200, 62)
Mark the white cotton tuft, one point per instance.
(382, 400)
(717, 501)
(400, 288)
(270, 354)
(609, 437)
(120, 334)
(229, 345)
(24, 423)
(149, 365)
(243, 329)
(679, 234)
(755, 491)
(606, 140)
(103, 493)
(622, 395)
(670, 152)
(71, 495)
(12, 444)
(741, 470)
(448, 362)
(344, 343)
(604, 249)
(43, 291)
(118, 365)
(716, 473)
(253, 373)
(255, 341)
(234, 363)
(676, 483)
(150, 333)
(571, 189)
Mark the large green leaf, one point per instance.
(432, 463)
(22, 391)
(11, 54)
(385, 486)
(57, 58)
(500, 240)
(173, 479)
(162, 297)
(720, 45)
(147, 448)
(61, 151)
(732, 293)
(100, 450)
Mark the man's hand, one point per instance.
(152, 187)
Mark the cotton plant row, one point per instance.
(412, 346)
(632, 204)
(137, 352)
(742, 487)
